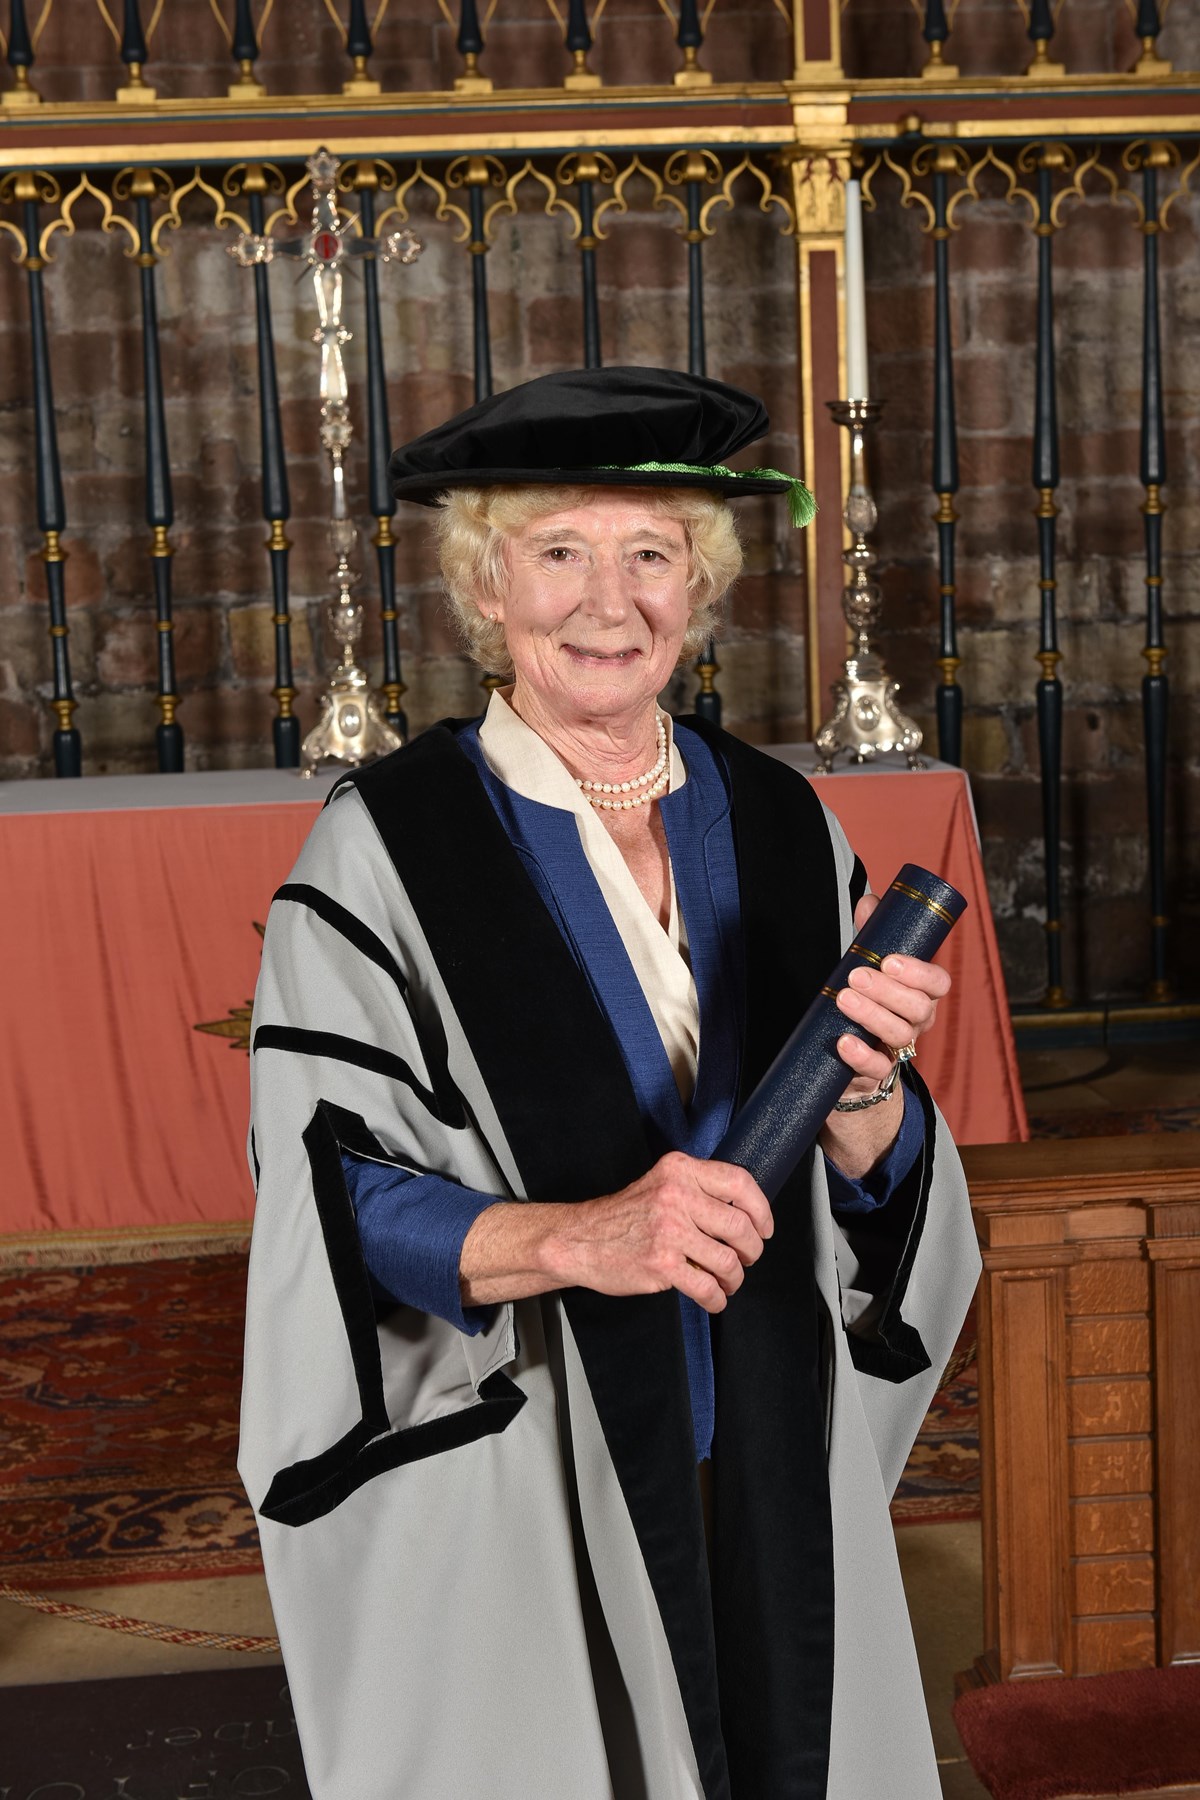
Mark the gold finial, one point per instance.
(360, 83)
(471, 81)
(580, 77)
(247, 83)
(22, 93)
(1150, 63)
(691, 74)
(136, 90)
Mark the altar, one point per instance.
(133, 912)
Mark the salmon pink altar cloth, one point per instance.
(130, 906)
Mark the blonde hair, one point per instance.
(473, 525)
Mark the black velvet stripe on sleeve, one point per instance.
(895, 1351)
(429, 1030)
(302, 893)
(447, 1109)
(308, 1489)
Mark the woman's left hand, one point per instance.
(896, 1003)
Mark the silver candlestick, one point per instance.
(866, 719)
(352, 727)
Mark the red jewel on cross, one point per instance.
(327, 246)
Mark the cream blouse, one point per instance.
(525, 762)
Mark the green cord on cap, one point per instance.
(802, 508)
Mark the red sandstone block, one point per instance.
(994, 238)
(1096, 238)
(20, 728)
(521, 53)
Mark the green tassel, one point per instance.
(802, 508)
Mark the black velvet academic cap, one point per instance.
(603, 427)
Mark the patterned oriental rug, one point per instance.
(118, 1423)
(119, 1414)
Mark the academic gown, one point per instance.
(486, 1555)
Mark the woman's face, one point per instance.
(597, 607)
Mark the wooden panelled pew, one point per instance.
(1089, 1349)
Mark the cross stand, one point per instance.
(352, 728)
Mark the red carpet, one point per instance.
(118, 1423)
(119, 1418)
(1097, 1734)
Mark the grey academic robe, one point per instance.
(485, 1555)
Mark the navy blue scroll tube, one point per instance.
(787, 1109)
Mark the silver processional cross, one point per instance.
(352, 727)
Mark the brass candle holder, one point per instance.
(866, 720)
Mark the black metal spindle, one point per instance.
(692, 170)
(20, 57)
(135, 55)
(244, 48)
(358, 49)
(694, 238)
(1155, 696)
(276, 503)
(579, 40)
(1148, 24)
(935, 31)
(475, 178)
(469, 44)
(587, 258)
(690, 38)
(1045, 480)
(582, 169)
(1040, 34)
(476, 173)
(160, 509)
(379, 444)
(51, 511)
(945, 469)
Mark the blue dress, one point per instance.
(412, 1225)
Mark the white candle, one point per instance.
(856, 298)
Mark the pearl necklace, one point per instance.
(625, 794)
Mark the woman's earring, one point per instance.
(491, 618)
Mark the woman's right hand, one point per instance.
(687, 1223)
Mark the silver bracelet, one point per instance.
(884, 1091)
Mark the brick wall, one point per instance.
(223, 635)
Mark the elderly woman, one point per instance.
(571, 1454)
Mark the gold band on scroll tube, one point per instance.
(916, 894)
(871, 956)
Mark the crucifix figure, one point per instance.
(352, 727)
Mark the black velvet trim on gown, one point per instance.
(886, 1241)
(308, 1489)
(522, 1000)
(552, 1067)
(773, 1531)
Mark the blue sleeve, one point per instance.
(412, 1229)
(880, 1183)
